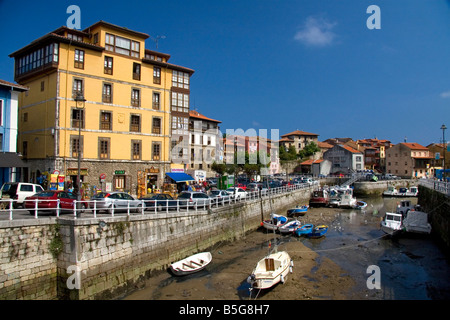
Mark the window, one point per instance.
(156, 75)
(156, 151)
(96, 38)
(107, 93)
(75, 37)
(105, 120)
(103, 148)
(135, 123)
(180, 79)
(135, 149)
(77, 118)
(180, 102)
(42, 86)
(25, 149)
(135, 97)
(76, 145)
(156, 126)
(136, 71)
(122, 45)
(155, 103)
(79, 59)
(36, 59)
(25, 116)
(77, 87)
(108, 65)
(180, 125)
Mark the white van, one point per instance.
(18, 191)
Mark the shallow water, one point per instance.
(411, 266)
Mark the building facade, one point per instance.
(409, 160)
(204, 145)
(12, 168)
(344, 159)
(299, 139)
(100, 96)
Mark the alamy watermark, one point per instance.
(374, 280)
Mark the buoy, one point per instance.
(282, 279)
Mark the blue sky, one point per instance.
(311, 65)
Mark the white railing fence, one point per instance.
(92, 208)
(441, 186)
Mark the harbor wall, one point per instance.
(372, 188)
(437, 205)
(105, 258)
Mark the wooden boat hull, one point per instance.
(191, 264)
(304, 230)
(289, 227)
(299, 211)
(318, 232)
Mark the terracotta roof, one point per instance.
(311, 161)
(286, 139)
(348, 148)
(4, 83)
(118, 28)
(414, 146)
(324, 145)
(197, 115)
(299, 133)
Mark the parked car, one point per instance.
(190, 198)
(18, 191)
(160, 200)
(256, 186)
(117, 201)
(238, 192)
(48, 201)
(219, 196)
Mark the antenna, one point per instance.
(155, 40)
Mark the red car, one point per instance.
(47, 201)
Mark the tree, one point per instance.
(309, 150)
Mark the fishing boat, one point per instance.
(274, 222)
(297, 211)
(417, 222)
(360, 205)
(392, 223)
(290, 226)
(191, 264)
(390, 192)
(271, 270)
(304, 229)
(318, 231)
(319, 198)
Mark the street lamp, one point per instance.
(80, 101)
(443, 127)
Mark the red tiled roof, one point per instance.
(299, 133)
(197, 115)
(324, 145)
(310, 162)
(414, 146)
(350, 149)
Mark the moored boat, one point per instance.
(392, 223)
(390, 192)
(318, 231)
(304, 229)
(274, 222)
(271, 270)
(319, 198)
(289, 227)
(191, 264)
(360, 205)
(298, 211)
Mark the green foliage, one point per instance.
(56, 245)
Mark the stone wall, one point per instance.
(27, 266)
(437, 205)
(108, 257)
(371, 188)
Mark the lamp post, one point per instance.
(443, 127)
(80, 101)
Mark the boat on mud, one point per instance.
(270, 270)
(191, 264)
(297, 211)
(274, 222)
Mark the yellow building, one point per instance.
(133, 99)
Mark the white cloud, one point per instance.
(445, 95)
(316, 32)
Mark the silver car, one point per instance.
(117, 201)
(190, 198)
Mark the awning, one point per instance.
(11, 160)
(179, 176)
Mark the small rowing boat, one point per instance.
(191, 264)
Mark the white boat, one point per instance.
(342, 197)
(390, 192)
(289, 227)
(271, 270)
(360, 205)
(392, 223)
(191, 264)
(274, 222)
(405, 206)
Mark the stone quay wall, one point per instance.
(437, 205)
(372, 188)
(105, 258)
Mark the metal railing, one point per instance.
(441, 186)
(96, 208)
